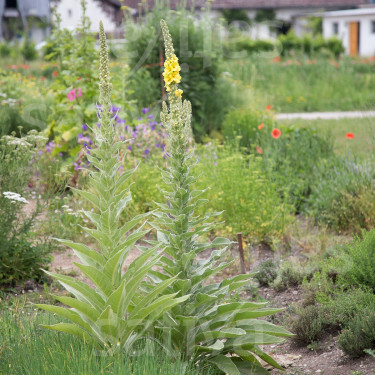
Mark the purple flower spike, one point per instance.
(98, 124)
(147, 151)
(80, 136)
(130, 148)
(40, 152)
(145, 110)
(150, 117)
(84, 127)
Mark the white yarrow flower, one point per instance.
(14, 197)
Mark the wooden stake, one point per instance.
(240, 249)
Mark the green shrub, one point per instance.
(360, 334)
(308, 44)
(310, 324)
(241, 189)
(330, 308)
(266, 272)
(28, 50)
(247, 45)
(5, 49)
(288, 275)
(209, 94)
(343, 195)
(240, 127)
(288, 160)
(357, 261)
(22, 255)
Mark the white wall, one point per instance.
(71, 12)
(367, 38)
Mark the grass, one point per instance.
(299, 85)
(27, 349)
(361, 147)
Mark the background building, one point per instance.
(355, 28)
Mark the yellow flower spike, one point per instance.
(171, 71)
(178, 93)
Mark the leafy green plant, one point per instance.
(266, 272)
(343, 195)
(196, 41)
(21, 253)
(117, 310)
(360, 334)
(207, 327)
(310, 324)
(288, 275)
(243, 191)
(356, 261)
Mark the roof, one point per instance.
(350, 12)
(260, 4)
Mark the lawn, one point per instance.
(304, 85)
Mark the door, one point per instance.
(353, 38)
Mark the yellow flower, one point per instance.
(178, 93)
(171, 71)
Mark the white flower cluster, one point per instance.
(14, 197)
(11, 102)
(3, 94)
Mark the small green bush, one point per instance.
(22, 255)
(247, 45)
(343, 195)
(288, 275)
(288, 160)
(308, 44)
(358, 261)
(28, 50)
(310, 325)
(241, 189)
(240, 127)
(209, 94)
(5, 49)
(360, 334)
(266, 272)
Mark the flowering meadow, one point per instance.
(158, 217)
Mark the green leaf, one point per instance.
(84, 253)
(225, 364)
(222, 334)
(81, 290)
(98, 278)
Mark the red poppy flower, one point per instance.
(260, 127)
(259, 150)
(276, 133)
(349, 135)
(54, 73)
(269, 107)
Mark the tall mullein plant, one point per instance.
(120, 307)
(207, 327)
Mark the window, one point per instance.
(335, 28)
(11, 4)
(373, 27)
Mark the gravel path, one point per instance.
(324, 115)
